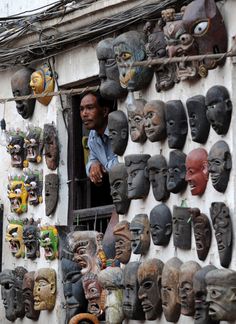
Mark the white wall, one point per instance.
(12, 7)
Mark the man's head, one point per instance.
(94, 111)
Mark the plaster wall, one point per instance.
(11, 7)
(76, 66)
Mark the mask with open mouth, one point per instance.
(14, 235)
(34, 187)
(17, 194)
(49, 241)
(16, 149)
(34, 144)
(31, 239)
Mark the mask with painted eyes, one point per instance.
(110, 87)
(160, 225)
(34, 186)
(130, 47)
(18, 196)
(49, 242)
(34, 145)
(138, 182)
(16, 149)
(136, 121)
(118, 131)
(31, 240)
(140, 234)
(14, 235)
(119, 189)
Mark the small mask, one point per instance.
(14, 235)
(138, 182)
(221, 294)
(149, 293)
(219, 109)
(222, 225)
(31, 239)
(186, 292)
(93, 292)
(202, 232)
(110, 279)
(198, 121)
(140, 234)
(157, 172)
(176, 124)
(42, 82)
(130, 47)
(110, 87)
(20, 84)
(154, 120)
(197, 171)
(118, 131)
(156, 48)
(12, 294)
(220, 164)
(169, 291)
(176, 172)
(16, 149)
(49, 241)
(45, 288)
(201, 315)
(119, 188)
(136, 121)
(122, 236)
(34, 186)
(160, 225)
(51, 146)
(17, 195)
(28, 288)
(131, 304)
(182, 227)
(51, 192)
(33, 145)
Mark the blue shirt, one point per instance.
(100, 150)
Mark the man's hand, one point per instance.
(96, 173)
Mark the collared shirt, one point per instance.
(100, 150)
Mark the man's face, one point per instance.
(92, 115)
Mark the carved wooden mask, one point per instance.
(28, 288)
(140, 234)
(182, 227)
(122, 236)
(118, 131)
(51, 192)
(160, 225)
(51, 146)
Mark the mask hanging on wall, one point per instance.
(51, 146)
(51, 192)
(118, 131)
(182, 227)
(160, 225)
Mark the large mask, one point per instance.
(122, 236)
(93, 291)
(160, 225)
(201, 315)
(131, 304)
(219, 109)
(156, 48)
(198, 121)
(149, 293)
(16, 149)
(138, 182)
(83, 244)
(221, 294)
(129, 48)
(28, 288)
(136, 121)
(154, 120)
(157, 172)
(197, 171)
(31, 239)
(119, 188)
(12, 294)
(202, 232)
(110, 87)
(219, 164)
(186, 292)
(51, 192)
(49, 241)
(169, 291)
(176, 172)
(14, 235)
(140, 234)
(34, 186)
(110, 279)
(203, 21)
(222, 225)
(33, 145)
(176, 124)
(45, 288)
(182, 227)
(18, 195)
(42, 82)
(118, 131)
(51, 146)
(20, 84)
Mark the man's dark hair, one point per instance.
(102, 102)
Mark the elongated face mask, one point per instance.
(160, 224)
(118, 131)
(182, 227)
(140, 234)
(175, 181)
(154, 120)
